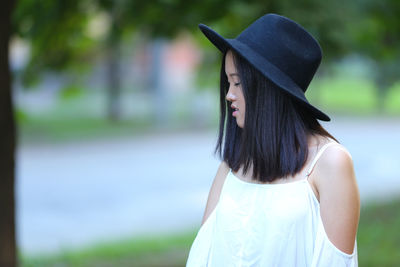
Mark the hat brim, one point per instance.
(269, 70)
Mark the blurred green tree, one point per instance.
(57, 30)
(328, 20)
(376, 35)
(59, 40)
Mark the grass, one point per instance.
(352, 96)
(55, 129)
(378, 242)
(392, 103)
(379, 235)
(346, 95)
(165, 251)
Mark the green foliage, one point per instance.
(21, 115)
(56, 31)
(376, 35)
(59, 38)
(71, 91)
(328, 21)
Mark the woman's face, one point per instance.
(235, 94)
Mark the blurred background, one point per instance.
(109, 113)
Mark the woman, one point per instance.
(285, 193)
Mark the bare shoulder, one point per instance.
(222, 171)
(334, 168)
(220, 176)
(339, 198)
(215, 190)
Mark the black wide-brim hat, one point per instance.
(282, 50)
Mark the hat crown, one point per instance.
(286, 45)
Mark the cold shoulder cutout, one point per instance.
(267, 225)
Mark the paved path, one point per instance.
(73, 195)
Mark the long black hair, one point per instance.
(274, 138)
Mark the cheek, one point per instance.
(242, 102)
(242, 111)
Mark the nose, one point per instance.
(230, 96)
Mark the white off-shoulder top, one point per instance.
(267, 225)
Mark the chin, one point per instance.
(240, 124)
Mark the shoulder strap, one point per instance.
(318, 156)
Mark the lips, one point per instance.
(234, 107)
(235, 110)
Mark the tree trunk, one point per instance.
(113, 66)
(381, 96)
(7, 145)
(160, 97)
(114, 77)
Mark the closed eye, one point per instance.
(236, 84)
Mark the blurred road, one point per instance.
(75, 194)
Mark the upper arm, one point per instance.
(339, 197)
(215, 189)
